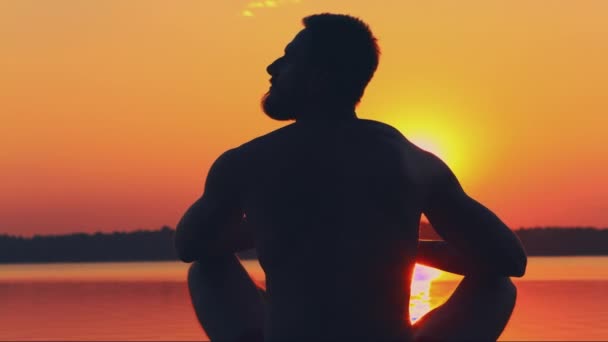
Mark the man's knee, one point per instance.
(501, 290)
(204, 277)
(478, 311)
(504, 286)
(213, 270)
(201, 269)
(193, 270)
(492, 288)
(509, 291)
(508, 287)
(194, 276)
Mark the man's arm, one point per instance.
(443, 256)
(482, 242)
(213, 224)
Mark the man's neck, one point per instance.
(327, 115)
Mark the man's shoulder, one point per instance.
(392, 135)
(419, 161)
(261, 141)
(383, 127)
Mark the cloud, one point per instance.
(254, 6)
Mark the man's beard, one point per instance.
(279, 107)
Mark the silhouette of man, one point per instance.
(332, 204)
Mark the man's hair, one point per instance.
(345, 47)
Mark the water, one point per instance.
(561, 298)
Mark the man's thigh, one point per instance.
(478, 310)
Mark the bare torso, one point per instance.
(335, 209)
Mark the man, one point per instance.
(332, 204)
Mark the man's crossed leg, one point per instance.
(230, 307)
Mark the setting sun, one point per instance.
(429, 131)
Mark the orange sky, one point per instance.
(112, 111)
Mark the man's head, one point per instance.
(326, 66)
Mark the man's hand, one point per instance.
(440, 255)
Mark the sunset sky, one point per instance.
(112, 111)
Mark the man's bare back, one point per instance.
(334, 214)
(332, 206)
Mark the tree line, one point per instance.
(157, 245)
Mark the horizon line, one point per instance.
(167, 227)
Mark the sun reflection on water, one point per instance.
(420, 295)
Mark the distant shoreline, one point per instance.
(244, 259)
(157, 245)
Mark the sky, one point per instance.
(112, 111)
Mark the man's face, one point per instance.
(290, 79)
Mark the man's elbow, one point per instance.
(182, 247)
(520, 264)
(191, 248)
(184, 255)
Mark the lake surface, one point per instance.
(561, 298)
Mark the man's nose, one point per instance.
(272, 68)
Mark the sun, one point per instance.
(446, 139)
(440, 139)
(429, 142)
